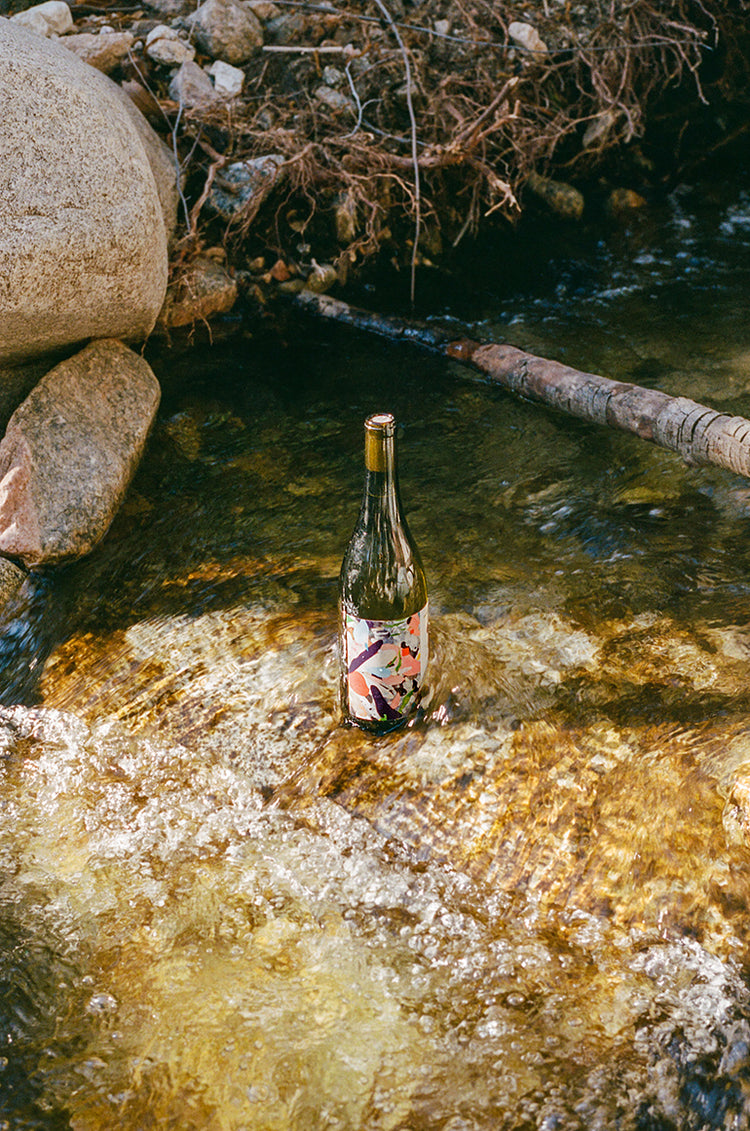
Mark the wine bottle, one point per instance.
(383, 640)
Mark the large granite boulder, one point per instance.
(70, 451)
(83, 242)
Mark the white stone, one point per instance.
(161, 31)
(228, 80)
(164, 46)
(527, 37)
(83, 241)
(51, 18)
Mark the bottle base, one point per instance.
(376, 727)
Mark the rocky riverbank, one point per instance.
(166, 159)
(323, 135)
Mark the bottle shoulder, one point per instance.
(382, 578)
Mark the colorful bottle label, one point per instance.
(385, 663)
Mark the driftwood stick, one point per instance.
(699, 434)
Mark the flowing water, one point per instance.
(530, 909)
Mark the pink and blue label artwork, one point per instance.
(385, 664)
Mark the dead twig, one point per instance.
(414, 146)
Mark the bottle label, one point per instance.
(385, 663)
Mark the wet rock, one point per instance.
(623, 202)
(104, 51)
(322, 277)
(204, 289)
(70, 451)
(228, 80)
(244, 185)
(83, 245)
(51, 18)
(527, 37)
(12, 578)
(164, 46)
(562, 198)
(191, 86)
(227, 30)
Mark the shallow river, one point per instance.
(529, 910)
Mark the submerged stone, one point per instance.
(564, 199)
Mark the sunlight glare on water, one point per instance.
(529, 910)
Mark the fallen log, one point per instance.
(700, 435)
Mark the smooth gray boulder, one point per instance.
(70, 451)
(83, 243)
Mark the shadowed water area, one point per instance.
(528, 910)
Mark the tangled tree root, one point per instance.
(406, 126)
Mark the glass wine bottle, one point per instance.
(383, 637)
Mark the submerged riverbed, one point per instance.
(529, 909)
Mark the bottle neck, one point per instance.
(381, 479)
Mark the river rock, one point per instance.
(245, 185)
(561, 197)
(228, 80)
(164, 46)
(51, 18)
(227, 30)
(191, 86)
(12, 578)
(16, 382)
(104, 51)
(205, 288)
(70, 451)
(83, 244)
(623, 202)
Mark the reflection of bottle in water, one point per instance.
(383, 598)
